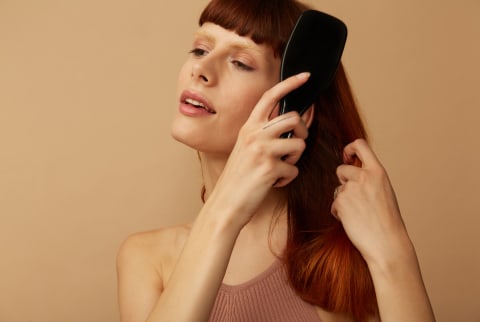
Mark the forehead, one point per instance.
(230, 42)
(215, 34)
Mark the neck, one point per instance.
(212, 166)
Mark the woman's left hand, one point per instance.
(366, 205)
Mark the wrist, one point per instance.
(398, 260)
(399, 287)
(219, 221)
(225, 212)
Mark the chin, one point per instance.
(197, 137)
(201, 143)
(186, 136)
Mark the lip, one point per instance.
(189, 109)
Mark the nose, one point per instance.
(199, 75)
(204, 71)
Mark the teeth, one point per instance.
(197, 104)
(194, 102)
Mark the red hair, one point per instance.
(323, 266)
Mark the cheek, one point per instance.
(183, 77)
(251, 98)
(246, 100)
(242, 109)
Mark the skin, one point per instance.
(228, 241)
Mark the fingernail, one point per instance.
(303, 75)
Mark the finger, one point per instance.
(346, 172)
(334, 211)
(292, 158)
(300, 130)
(334, 208)
(287, 122)
(288, 173)
(270, 98)
(290, 150)
(361, 150)
(336, 191)
(282, 123)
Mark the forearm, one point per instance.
(191, 291)
(400, 290)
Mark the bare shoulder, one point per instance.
(145, 261)
(153, 252)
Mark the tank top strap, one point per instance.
(268, 297)
(271, 270)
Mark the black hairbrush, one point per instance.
(315, 45)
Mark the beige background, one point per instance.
(87, 90)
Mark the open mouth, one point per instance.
(198, 104)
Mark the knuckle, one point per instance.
(299, 147)
(290, 175)
(339, 170)
(360, 141)
(270, 94)
(269, 169)
(249, 138)
(295, 117)
(268, 166)
(258, 150)
(302, 145)
(363, 176)
(294, 172)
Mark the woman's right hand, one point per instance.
(261, 159)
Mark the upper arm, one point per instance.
(139, 280)
(339, 317)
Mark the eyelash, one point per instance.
(241, 65)
(199, 52)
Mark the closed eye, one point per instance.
(241, 65)
(198, 52)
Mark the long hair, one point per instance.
(323, 266)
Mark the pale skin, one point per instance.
(173, 274)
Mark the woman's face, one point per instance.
(218, 86)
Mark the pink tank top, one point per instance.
(266, 298)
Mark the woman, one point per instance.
(299, 229)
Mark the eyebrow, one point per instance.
(203, 34)
(235, 44)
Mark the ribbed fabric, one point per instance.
(266, 298)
